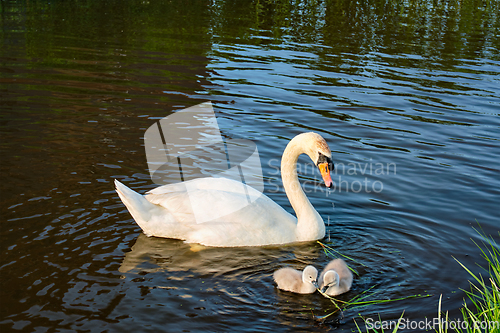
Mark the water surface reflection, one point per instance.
(410, 83)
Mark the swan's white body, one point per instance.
(336, 278)
(167, 210)
(290, 279)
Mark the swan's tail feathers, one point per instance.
(140, 209)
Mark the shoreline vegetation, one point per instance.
(481, 308)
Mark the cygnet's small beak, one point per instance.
(325, 173)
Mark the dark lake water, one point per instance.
(412, 86)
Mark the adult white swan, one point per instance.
(167, 211)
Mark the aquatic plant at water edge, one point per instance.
(483, 311)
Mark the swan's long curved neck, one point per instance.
(310, 225)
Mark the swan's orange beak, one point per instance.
(325, 173)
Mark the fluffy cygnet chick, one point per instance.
(290, 279)
(336, 278)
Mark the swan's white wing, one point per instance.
(204, 199)
(224, 212)
(208, 183)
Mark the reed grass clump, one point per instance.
(481, 308)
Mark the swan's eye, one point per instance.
(322, 159)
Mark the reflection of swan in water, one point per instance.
(167, 210)
(239, 276)
(151, 254)
(157, 250)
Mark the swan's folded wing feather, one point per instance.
(168, 189)
(177, 203)
(204, 199)
(223, 212)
